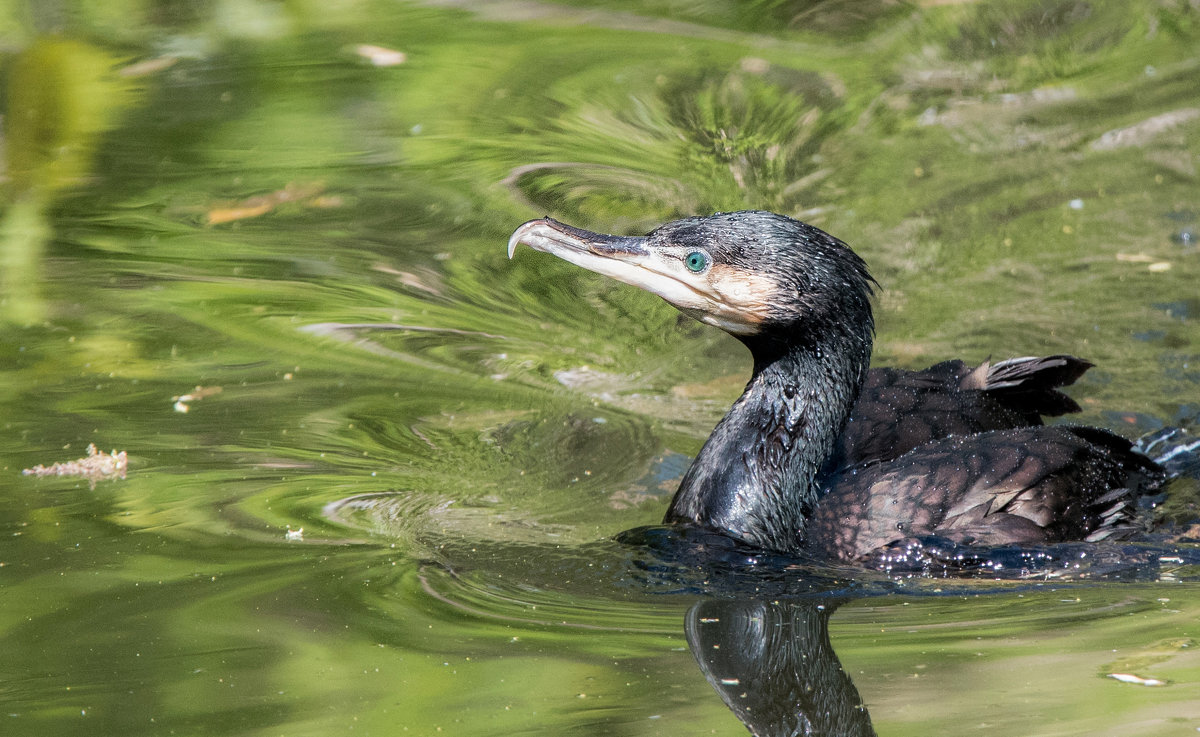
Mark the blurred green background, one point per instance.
(258, 245)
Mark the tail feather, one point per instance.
(1030, 384)
(1036, 372)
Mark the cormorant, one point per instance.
(821, 456)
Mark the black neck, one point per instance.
(756, 477)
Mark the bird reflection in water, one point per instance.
(774, 667)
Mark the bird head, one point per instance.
(756, 275)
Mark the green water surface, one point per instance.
(236, 201)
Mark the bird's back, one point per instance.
(899, 410)
(1022, 486)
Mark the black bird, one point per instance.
(822, 456)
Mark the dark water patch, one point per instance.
(1182, 310)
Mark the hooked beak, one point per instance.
(734, 302)
(613, 256)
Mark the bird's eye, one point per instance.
(696, 261)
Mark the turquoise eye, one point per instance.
(696, 261)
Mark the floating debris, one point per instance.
(1135, 258)
(200, 392)
(1130, 678)
(380, 56)
(148, 66)
(294, 534)
(1153, 264)
(97, 466)
(259, 205)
